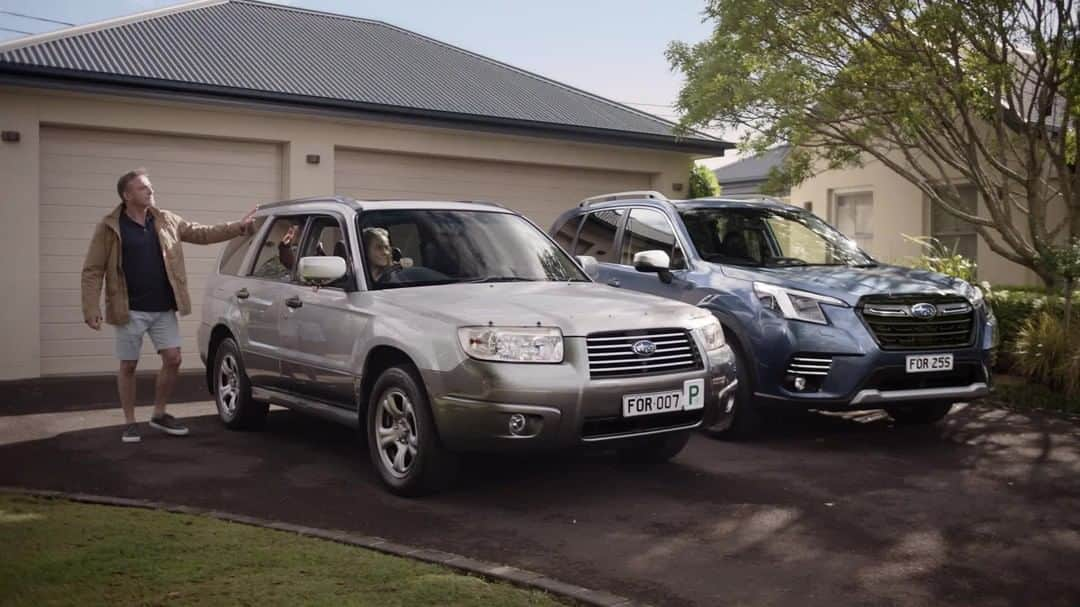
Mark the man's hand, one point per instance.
(248, 222)
(289, 238)
(94, 323)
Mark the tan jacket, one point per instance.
(103, 260)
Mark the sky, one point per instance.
(613, 48)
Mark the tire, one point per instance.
(402, 439)
(919, 412)
(745, 419)
(655, 449)
(232, 390)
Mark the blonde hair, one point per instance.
(370, 233)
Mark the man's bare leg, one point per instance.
(125, 384)
(166, 378)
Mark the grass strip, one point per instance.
(56, 552)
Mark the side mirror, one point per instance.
(321, 271)
(590, 265)
(654, 261)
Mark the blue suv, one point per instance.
(815, 322)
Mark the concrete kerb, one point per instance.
(490, 571)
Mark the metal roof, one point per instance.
(754, 168)
(283, 53)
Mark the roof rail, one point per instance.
(632, 194)
(761, 197)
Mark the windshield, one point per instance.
(769, 238)
(404, 248)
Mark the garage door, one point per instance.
(541, 192)
(204, 180)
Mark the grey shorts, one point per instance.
(163, 328)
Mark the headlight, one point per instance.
(513, 344)
(712, 334)
(977, 297)
(793, 304)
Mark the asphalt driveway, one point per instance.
(983, 509)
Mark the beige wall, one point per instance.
(899, 208)
(298, 134)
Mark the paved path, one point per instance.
(983, 509)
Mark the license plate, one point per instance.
(692, 396)
(929, 362)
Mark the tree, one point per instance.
(703, 182)
(941, 91)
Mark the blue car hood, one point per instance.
(849, 284)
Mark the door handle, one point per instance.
(614, 282)
(294, 302)
(242, 294)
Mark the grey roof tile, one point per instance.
(254, 46)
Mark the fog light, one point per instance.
(800, 383)
(517, 424)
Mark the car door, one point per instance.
(261, 301)
(596, 238)
(325, 320)
(649, 229)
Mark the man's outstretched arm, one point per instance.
(197, 233)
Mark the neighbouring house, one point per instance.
(746, 176)
(231, 103)
(880, 209)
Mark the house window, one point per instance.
(855, 217)
(953, 233)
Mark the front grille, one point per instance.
(612, 354)
(897, 378)
(615, 425)
(895, 326)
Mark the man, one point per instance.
(137, 250)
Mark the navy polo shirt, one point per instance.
(144, 267)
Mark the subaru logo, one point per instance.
(644, 348)
(924, 310)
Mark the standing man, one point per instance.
(137, 250)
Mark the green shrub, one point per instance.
(1013, 307)
(703, 183)
(1044, 354)
(937, 257)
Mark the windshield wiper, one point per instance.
(504, 279)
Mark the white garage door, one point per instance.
(540, 192)
(204, 180)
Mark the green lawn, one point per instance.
(55, 552)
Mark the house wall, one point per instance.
(296, 133)
(900, 208)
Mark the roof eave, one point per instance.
(36, 75)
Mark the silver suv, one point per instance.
(445, 327)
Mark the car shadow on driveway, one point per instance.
(819, 511)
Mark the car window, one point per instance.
(769, 237)
(237, 249)
(565, 234)
(325, 237)
(650, 230)
(278, 253)
(597, 235)
(443, 247)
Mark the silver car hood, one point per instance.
(577, 308)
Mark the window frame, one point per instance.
(306, 215)
(616, 239)
(342, 223)
(674, 233)
(972, 232)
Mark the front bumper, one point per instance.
(563, 408)
(846, 369)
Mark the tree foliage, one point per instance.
(943, 92)
(703, 183)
